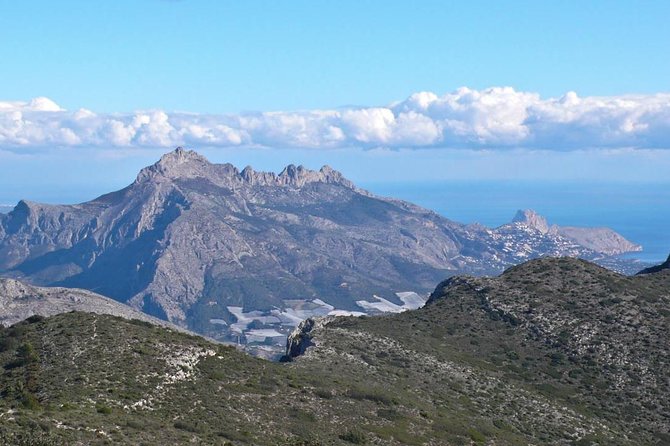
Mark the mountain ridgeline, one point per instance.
(224, 251)
(19, 301)
(553, 352)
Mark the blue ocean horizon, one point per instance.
(638, 211)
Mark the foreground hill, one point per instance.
(242, 254)
(583, 337)
(556, 352)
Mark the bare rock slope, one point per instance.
(19, 301)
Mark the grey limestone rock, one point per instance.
(19, 301)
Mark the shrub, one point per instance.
(35, 319)
(135, 424)
(30, 439)
(374, 396)
(185, 426)
(27, 354)
(323, 394)
(29, 401)
(476, 436)
(354, 437)
(8, 343)
(106, 410)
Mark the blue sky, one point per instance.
(230, 56)
(90, 91)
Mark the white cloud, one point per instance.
(494, 118)
(35, 104)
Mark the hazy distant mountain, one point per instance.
(602, 240)
(250, 253)
(5, 208)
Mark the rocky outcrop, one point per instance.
(186, 164)
(602, 240)
(300, 339)
(531, 219)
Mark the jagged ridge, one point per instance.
(181, 163)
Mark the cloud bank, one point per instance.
(495, 118)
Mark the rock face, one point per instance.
(300, 339)
(532, 220)
(209, 247)
(19, 301)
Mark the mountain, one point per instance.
(246, 255)
(19, 301)
(552, 352)
(602, 240)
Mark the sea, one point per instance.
(638, 211)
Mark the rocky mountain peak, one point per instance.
(24, 213)
(299, 175)
(292, 172)
(247, 173)
(180, 158)
(331, 175)
(178, 163)
(532, 219)
(25, 206)
(190, 232)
